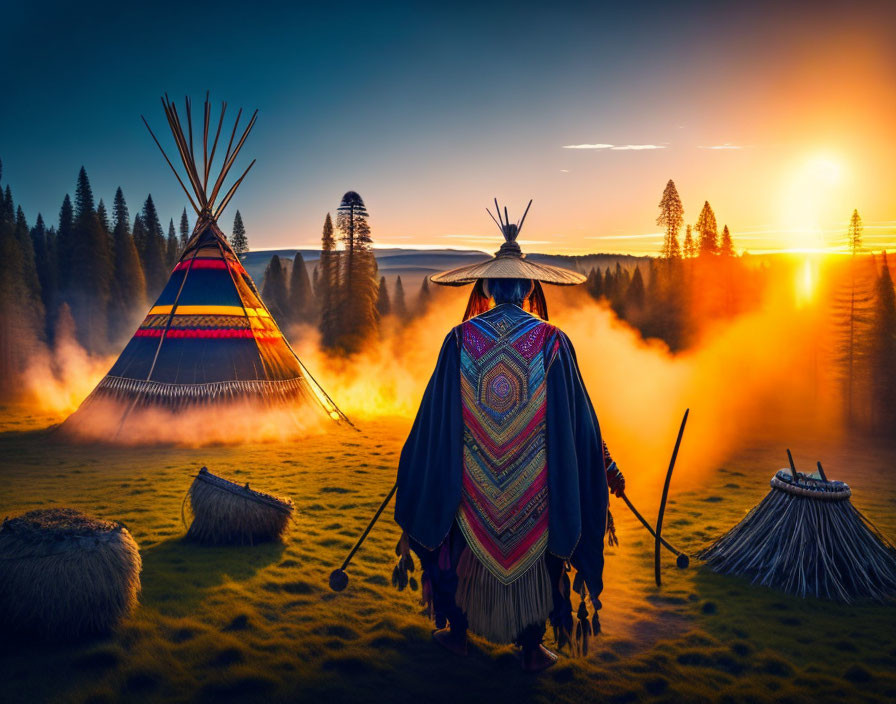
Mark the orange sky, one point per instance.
(781, 115)
(784, 139)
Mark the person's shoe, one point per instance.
(538, 659)
(451, 641)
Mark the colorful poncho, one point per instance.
(506, 445)
(504, 506)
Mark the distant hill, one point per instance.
(412, 265)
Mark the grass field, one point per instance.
(259, 623)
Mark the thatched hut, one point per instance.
(806, 538)
(226, 513)
(65, 575)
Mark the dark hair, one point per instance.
(509, 290)
(525, 293)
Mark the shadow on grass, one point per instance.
(775, 635)
(178, 573)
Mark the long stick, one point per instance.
(338, 578)
(683, 559)
(659, 519)
(792, 466)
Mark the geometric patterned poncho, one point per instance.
(506, 445)
(503, 512)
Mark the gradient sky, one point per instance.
(785, 120)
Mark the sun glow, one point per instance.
(806, 281)
(811, 199)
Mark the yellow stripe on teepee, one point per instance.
(211, 310)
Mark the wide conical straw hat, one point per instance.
(509, 262)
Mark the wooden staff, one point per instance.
(338, 577)
(659, 519)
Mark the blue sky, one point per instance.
(431, 110)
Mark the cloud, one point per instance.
(722, 146)
(637, 147)
(588, 146)
(623, 237)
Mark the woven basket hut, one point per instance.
(226, 513)
(64, 574)
(806, 538)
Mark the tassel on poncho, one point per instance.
(500, 612)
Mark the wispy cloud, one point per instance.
(722, 146)
(623, 237)
(587, 146)
(637, 147)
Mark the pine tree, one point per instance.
(634, 295)
(358, 285)
(726, 249)
(103, 218)
(854, 233)
(884, 355)
(139, 235)
(609, 284)
(65, 243)
(128, 299)
(594, 285)
(424, 298)
(853, 315)
(184, 231)
(708, 230)
(238, 240)
(302, 308)
(21, 323)
(88, 292)
(273, 291)
(620, 286)
(47, 268)
(671, 217)
(383, 304)
(399, 307)
(328, 286)
(690, 249)
(29, 266)
(172, 247)
(154, 249)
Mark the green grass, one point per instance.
(259, 623)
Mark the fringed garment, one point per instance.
(506, 448)
(503, 514)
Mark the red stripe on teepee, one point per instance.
(262, 335)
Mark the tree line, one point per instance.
(675, 296)
(92, 271)
(862, 317)
(345, 298)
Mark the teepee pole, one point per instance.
(211, 159)
(187, 105)
(205, 142)
(186, 151)
(180, 141)
(174, 171)
(226, 199)
(229, 163)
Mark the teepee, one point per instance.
(209, 338)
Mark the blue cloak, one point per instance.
(431, 465)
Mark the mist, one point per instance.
(754, 379)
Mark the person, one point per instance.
(502, 484)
